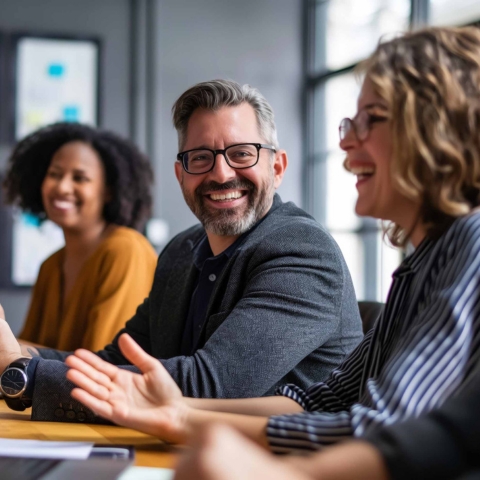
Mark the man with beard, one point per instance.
(255, 296)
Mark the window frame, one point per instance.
(314, 197)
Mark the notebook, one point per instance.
(14, 468)
(104, 463)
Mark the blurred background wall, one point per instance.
(153, 50)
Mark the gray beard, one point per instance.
(226, 222)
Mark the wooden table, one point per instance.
(149, 451)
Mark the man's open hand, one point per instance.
(150, 402)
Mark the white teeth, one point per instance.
(225, 196)
(362, 170)
(63, 204)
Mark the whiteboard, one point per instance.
(56, 80)
(32, 243)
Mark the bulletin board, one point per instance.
(43, 79)
(25, 242)
(32, 243)
(55, 79)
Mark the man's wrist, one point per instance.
(9, 359)
(189, 421)
(178, 427)
(15, 383)
(29, 350)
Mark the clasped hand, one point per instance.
(150, 401)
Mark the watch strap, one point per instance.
(21, 363)
(18, 404)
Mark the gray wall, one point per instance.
(251, 41)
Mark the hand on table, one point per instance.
(9, 347)
(150, 402)
(220, 453)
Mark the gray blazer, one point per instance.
(283, 311)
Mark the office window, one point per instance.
(458, 12)
(339, 34)
(353, 27)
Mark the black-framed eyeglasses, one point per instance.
(361, 124)
(241, 155)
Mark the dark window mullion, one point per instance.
(317, 75)
(419, 13)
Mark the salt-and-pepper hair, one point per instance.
(215, 94)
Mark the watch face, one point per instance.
(13, 382)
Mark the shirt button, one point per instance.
(212, 277)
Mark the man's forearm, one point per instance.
(253, 427)
(264, 406)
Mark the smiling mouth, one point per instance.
(227, 197)
(362, 173)
(63, 204)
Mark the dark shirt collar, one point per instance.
(202, 251)
(415, 260)
(201, 248)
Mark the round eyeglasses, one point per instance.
(202, 160)
(361, 125)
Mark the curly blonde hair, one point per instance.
(430, 80)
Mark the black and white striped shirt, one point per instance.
(421, 349)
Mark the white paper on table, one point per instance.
(44, 449)
(146, 473)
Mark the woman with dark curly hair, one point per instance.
(95, 186)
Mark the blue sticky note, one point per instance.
(56, 70)
(71, 113)
(30, 219)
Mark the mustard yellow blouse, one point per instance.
(114, 280)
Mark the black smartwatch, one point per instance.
(13, 384)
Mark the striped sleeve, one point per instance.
(309, 430)
(340, 390)
(422, 356)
